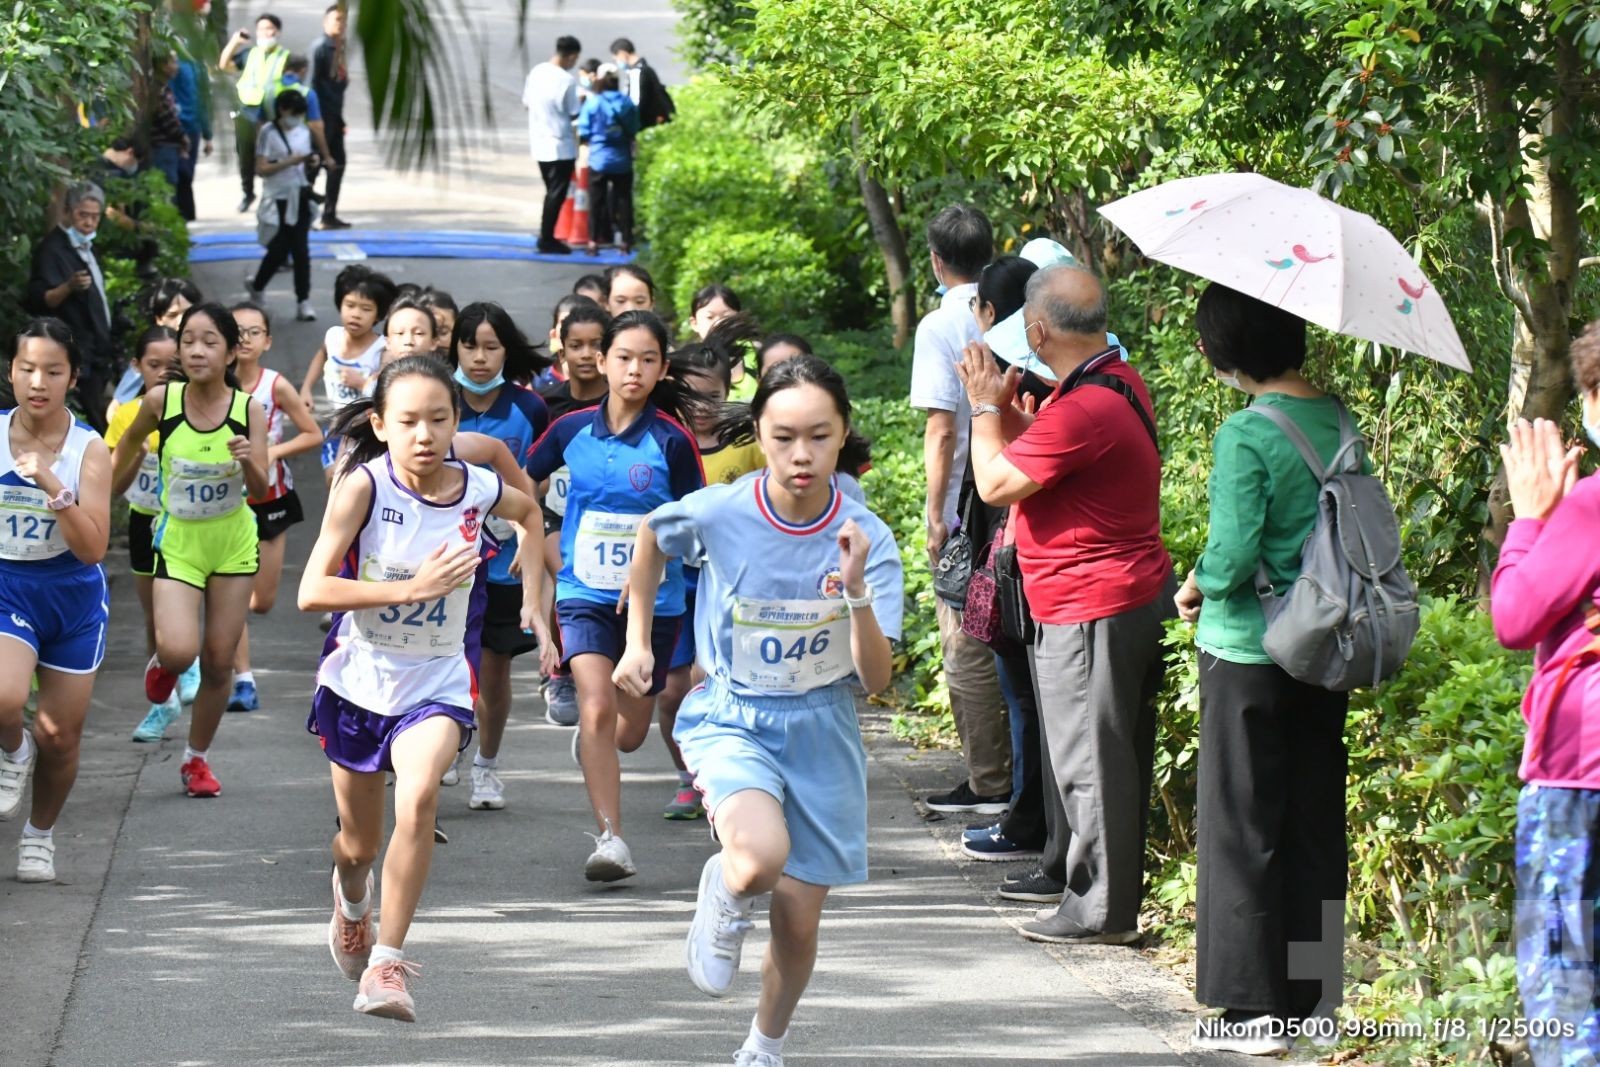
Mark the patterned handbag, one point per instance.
(981, 619)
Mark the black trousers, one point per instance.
(290, 241)
(557, 175)
(1273, 861)
(1025, 823)
(245, 130)
(611, 207)
(333, 130)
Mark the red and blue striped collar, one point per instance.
(817, 525)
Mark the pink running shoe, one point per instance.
(158, 681)
(383, 990)
(198, 781)
(351, 940)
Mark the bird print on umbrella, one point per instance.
(1303, 257)
(1196, 206)
(1413, 293)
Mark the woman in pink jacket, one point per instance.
(1546, 596)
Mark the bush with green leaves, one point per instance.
(779, 275)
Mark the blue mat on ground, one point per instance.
(398, 244)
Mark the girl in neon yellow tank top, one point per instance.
(213, 454)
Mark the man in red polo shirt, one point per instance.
(1085, 476)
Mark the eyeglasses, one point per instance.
(250, 333)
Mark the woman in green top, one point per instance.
(213, 454)
(1272, 856)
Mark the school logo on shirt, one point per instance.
(831, 585)
(640, 476)
(469, 524)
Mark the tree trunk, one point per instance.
(891, 241)
(1542, 287)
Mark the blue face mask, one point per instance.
(1009, 340)
(476, 389)
(80, 241)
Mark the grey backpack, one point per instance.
(1350, 617)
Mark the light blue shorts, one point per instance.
(805, 751)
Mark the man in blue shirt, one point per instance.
(194, 114)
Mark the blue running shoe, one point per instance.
(154, 727)
(189, 682)
(990, 844)
(244, 697)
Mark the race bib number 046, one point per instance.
(790, 646)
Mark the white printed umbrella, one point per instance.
(1299, 251)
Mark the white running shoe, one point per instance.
(453, 775)
(305, 312)
(488, 791)
(36, 859)
(1257, 1035)
(610, 861)
(746, 1057)
(716, 936)
(14, 781)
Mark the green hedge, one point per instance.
(779, 274)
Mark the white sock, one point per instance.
(189, 754)
(23, 751)
(384, 952)
(245, 676)
(30, 830)
(353, 909)
(479, 761)
(759, 1042)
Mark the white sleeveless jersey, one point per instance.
(392, 660)
(29, 531)
(335, 342)
(279, 480)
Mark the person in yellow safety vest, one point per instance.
(261, 78)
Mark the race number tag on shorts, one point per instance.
(603, 550)
(28, 529)
(423, 628)
(790, 646)
(204, 490)
(555, 497)
(145, 492)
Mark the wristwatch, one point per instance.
(984, 409)
(857, 603)
(62, 500)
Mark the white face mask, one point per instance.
(1231, 380)
(294, 122)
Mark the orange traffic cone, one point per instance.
(572, 226)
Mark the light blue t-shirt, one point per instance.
(770, 617)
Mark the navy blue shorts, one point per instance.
(587, 627)
(683, 651)
(60, 615)
(359, 740)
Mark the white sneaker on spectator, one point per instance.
(1242, 1032)
(36, 859)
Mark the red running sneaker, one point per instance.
(198, 781)
(158, 682)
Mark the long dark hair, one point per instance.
(668, 394)
(50, 328)
(353, 422)
(715, 356)
(158, 299)
(523, 361)
(223, 320)
(715, 291)
(737, 424)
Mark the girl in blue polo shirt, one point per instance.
(493, 365)
(627, 457)
(800, 597)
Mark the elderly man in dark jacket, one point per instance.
(66, 282)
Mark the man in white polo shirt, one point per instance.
(551, 96)
(960, 245)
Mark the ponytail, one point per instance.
(355, 421)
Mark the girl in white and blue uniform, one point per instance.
(400, 562)
(800, 597)
(55, 520)
(626, 457)
(493, 364)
